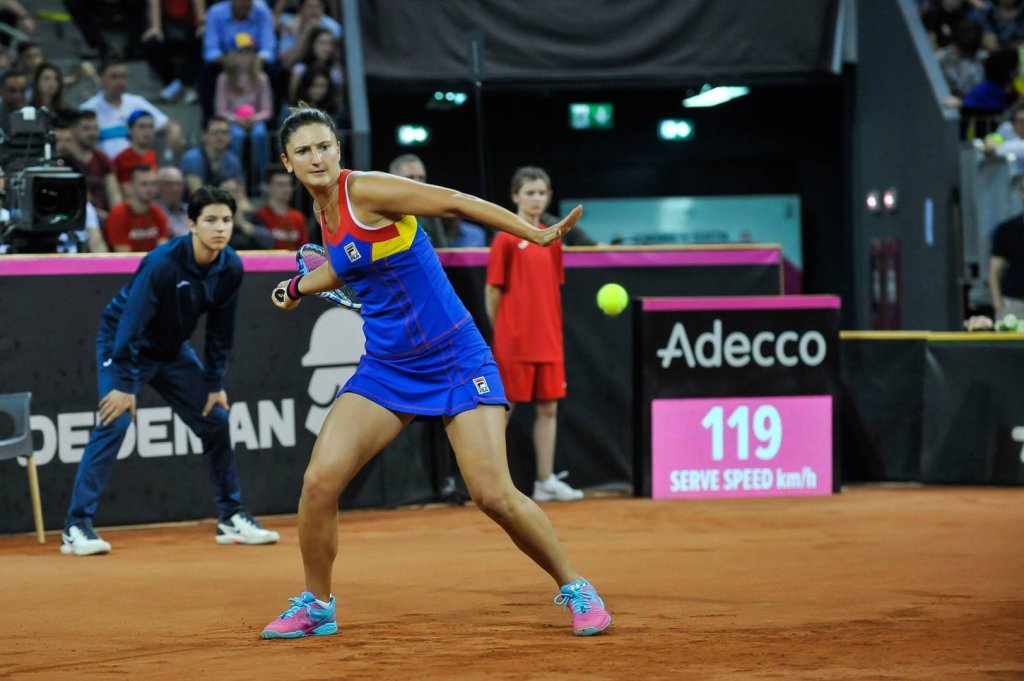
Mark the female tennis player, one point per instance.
(424, 356)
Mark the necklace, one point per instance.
(333, 200)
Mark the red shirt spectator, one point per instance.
(137, 224)
(138, 231)
(289, 229)
(128, 159)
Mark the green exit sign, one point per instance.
(591, 116)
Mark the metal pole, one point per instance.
(355, 71)
(476, 73)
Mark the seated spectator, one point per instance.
(247, 235)
(321, 52)
(137, 224)
(175, 28)
(317, 89)
(244, 97)
(463, 234)
(13, 85)
(113, 105)
(170, 198)
(283, 7)
(942, 17)
(996, 92)
(140, 151)
(224, 21)
(213, 160)
(101, 184)
(961, 60)
(411, 167)
(29, 55)
(295, 30)
(287, 225)
(1004, 25)
(48, 91)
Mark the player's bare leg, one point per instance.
(545, 430)
(478, 438)
(355, 430)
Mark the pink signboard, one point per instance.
(741, 447)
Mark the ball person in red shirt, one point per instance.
(524, 304)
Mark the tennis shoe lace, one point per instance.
(578, 602)
(297, 603)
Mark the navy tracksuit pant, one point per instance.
(179, 380)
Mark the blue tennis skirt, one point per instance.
(454, 375)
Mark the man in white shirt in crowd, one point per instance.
(113, 105)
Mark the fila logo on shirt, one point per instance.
(523, 244)
(352, 252)
(481, 385)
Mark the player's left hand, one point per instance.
(279, 296)
(547, 236)
(216, 399)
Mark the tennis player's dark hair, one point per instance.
(302, 115)
(208, 196)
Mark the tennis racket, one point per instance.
(308, 258)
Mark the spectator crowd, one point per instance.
(241, 63)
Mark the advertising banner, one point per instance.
(737, 396)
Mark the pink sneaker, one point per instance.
(306, 617)
(588, 614)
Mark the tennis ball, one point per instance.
(612, 299)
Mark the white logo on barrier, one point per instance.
(158, 432)
(737, 349)
(335, 347)
(1018, 436)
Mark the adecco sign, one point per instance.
(736, 396)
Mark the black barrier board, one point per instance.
(973, 424)
(285, 369)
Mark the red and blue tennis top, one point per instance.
(408, 303)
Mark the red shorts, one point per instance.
(532, 381)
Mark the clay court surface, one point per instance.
(875, 583)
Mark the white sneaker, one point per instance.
(242, 528)
(82, 540)
(553, 489)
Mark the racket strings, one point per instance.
(308, 258)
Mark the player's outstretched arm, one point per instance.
(382, 196)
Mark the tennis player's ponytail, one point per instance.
(302, 115)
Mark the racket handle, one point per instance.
(279, 295)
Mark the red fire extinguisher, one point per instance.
(892, 316)
(875, 281)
